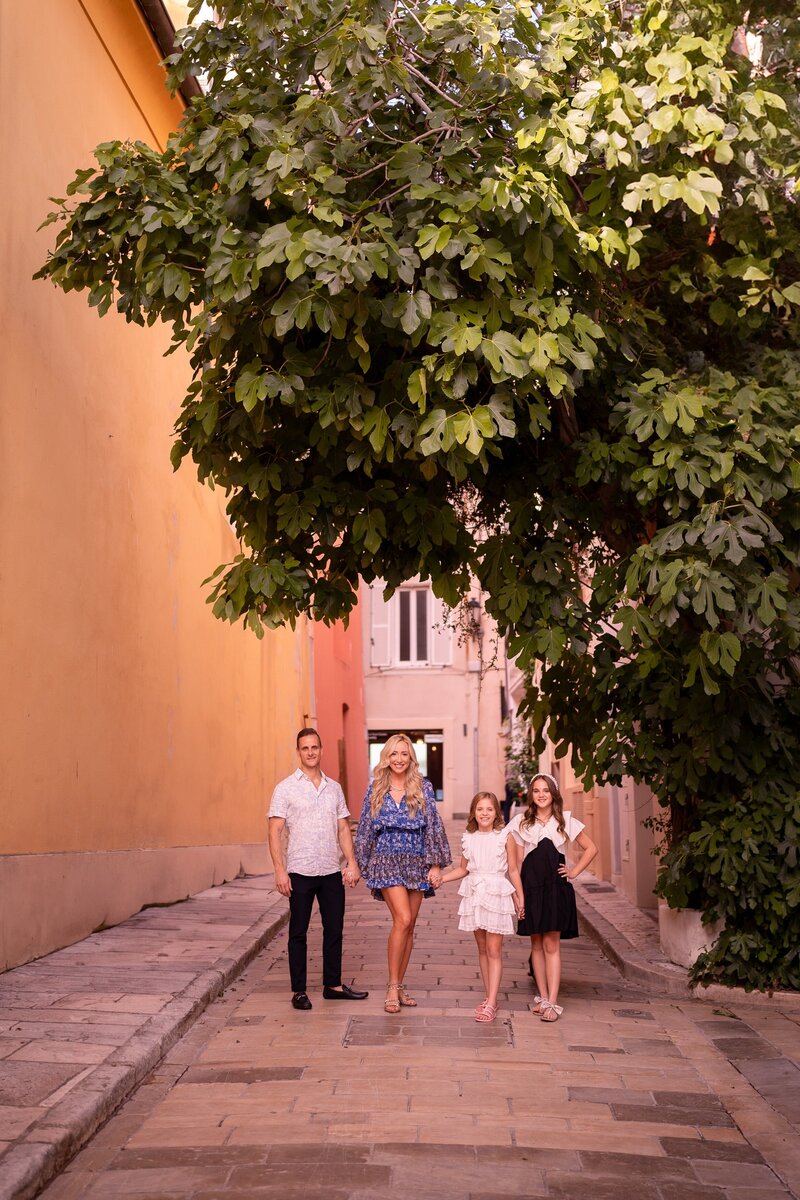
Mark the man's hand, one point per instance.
(351, 875)
(282, 882)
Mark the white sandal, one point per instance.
(550, 1012)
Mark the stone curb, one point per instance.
(52, 1142)
(663, 977)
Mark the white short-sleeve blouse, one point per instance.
(529, 836)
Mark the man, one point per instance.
(312, 809)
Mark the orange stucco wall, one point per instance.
(340, 717)
(131, 721)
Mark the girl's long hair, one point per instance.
(472, 821)
(529, 816)
(383, 773)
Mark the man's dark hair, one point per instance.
(308, 732)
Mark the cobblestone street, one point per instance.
(626, 1094)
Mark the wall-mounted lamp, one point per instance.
(473, 607)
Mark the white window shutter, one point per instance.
(441, 634)
(380, 627)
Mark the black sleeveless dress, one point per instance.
(549, 897)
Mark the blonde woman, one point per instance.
(401, 847)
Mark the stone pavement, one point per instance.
(659, 1096)
(81, 1028)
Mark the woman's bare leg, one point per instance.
(415, 902)
(403, 907)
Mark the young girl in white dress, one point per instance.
(491, 893)
(537, 841)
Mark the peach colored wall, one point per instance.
(339, 681)
(131, 721)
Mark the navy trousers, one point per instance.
(328, 890)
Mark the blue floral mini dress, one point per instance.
(397, 848)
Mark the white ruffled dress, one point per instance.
(486, 892)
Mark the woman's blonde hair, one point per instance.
(383, 772)
(472, 820)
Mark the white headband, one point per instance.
(544, 775)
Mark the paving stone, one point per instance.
(738, 1175)
(654, 1047)
(633, 1167)
(758, 1193)
(60, 1052)
(15, 1120)
(241, 1074)
(69, 1016)
(688, 1148)
(778, 1081)
(569, 1185)
(316, 1154)
(684, 1191)
(606, 1095)
(694, 1100)
(28, 1083)
(746, 1048)
(186, 1156)
(343, 1175)
(663, 1114)
(157, 1181)
(495, 1195)
(446, 1152)
(538, 1158)
(278, 1191)
(596, 1049)
(732, 1026)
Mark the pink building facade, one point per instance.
(339, 699)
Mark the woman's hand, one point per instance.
(563, 871)
(519, 905)
(435, 877)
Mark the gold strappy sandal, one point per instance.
(392, 1006)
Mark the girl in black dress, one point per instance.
(538, 839)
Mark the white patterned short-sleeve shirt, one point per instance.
(312, 818)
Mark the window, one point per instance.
(413, 625)
(410, 630)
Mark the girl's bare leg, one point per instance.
(483, 961)
(539, 971)
(494, 954)
(551, 943)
